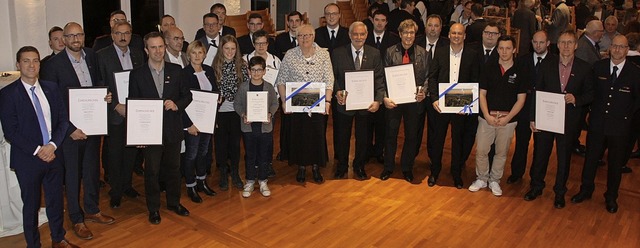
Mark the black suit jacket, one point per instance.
(525, 20)
(44, 60)
(105, 41)
(282, 45)
(59, 70)
(343, 60)
(443, 43)
(474, 31)
(141, 85)
(580, 84)
(21, 128)
(225, 31)
(397, 16)
(190, 81)
(109, 63)
(527, 73)
(439, 69)
(477, 46)
(388, 39)
(246, 45)
(614, 104)
(323, 38)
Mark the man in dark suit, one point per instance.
(570, 76)
(117, 58)
(333, 35)
(432, 42)
(77, 66)
(405, 52)
(211, 24)
(530, 69)
(159, 79)
(404, 12)
(558, 23)
(105, 40)
(254, 23)
(174, 39)
(475, 29)
(616, 99)
(525, 20)
(35, 134)
(55, 42)
(463, 127)
(588, 48)
(486, 47)
(221, 12)
(366, 58)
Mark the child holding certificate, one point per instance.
(255, 102)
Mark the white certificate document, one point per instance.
(359, 87)
(270, 75)
(122, 85)
(144, 121)
(550, 109)
(203, 110)
(88, 109)
(401, 83)
(257, 106)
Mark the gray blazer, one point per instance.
(587, 51)
(183, 57)
(559, 22)
(240, 105)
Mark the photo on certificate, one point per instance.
(88, 109)
(459, 98)
(144, 122)
(203, 110)
(305, 97)
(401, 83)
(122, 85)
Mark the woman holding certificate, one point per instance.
(307, 63)
(230, 71)
(201, 77)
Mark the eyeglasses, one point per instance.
(121, 33)
(619, 47)
(73, 36)
(256, 70)
(305, 36)
(489, 33)
(260, 43)
(408, 33)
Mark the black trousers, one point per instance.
(285, 134)
(542, 150)
(162, 163)
(227, 138)
(376, 130)
(521, 151)
(409, 112)
(257, 147)
(463, 136)
(81, 162)
(342, 128)
(121, 160)
(597, 142)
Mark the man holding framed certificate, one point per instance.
(398, 56)
(365, 87)
(154, 80)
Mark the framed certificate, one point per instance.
(306, 97)
(459, 98)
(550, 109)
(144, 121)
(203, 110)
(88, 109)
(257, 106)
(401, 83)
(359, 87)
(122, 85)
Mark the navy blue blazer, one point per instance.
(190, 81)
(20, 123)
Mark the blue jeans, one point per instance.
(258, 147)
(195, 162)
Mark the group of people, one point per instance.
(164, 66)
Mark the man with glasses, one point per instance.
(166, 22)
(77, 66)
(221, 12)
(616, 99)
(174, 39)
(333, 35)
(487, 47)
(246, 42)
(105, 40)
(116, 58)
(211, 26)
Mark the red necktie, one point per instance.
(405, 58)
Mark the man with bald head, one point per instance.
(588, 47)
(175, 40)
(77, 66)
(616, 99)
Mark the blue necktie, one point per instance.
(41, 121)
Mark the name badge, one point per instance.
(512, 78)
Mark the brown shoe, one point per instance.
(99, 218)
(63, 244)
(82, 231)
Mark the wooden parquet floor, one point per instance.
(375, 213)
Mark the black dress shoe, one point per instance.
(317, 176)
(193, 195)
(114, 203)
(458, 183)
(532, 194)
(408, 176)
(513, 179)
(302, 173)
(385, 175)
(580, 150)
(580, 197)
(339, 174)
(201, 186)
(612, 206)
(432, 181)
(154, 217)
(626, 169)
(180, 210)
(131, 193)
(559, 202)
(361, 174)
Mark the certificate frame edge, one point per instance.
(89, 87)
(126, 124)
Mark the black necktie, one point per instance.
(430, 51)
(614, 75)
(378, 42)
(293, 42)
(213, 43)
(333, 38)
(597, 47)
(538, 63)
(487, 53)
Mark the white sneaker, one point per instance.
(477, 185)
(264, 189)
(248, 188)
(495, 188)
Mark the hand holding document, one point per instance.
(359, 88)
(88, 109)
(550, 108)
